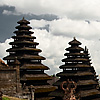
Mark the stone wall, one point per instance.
(8, 81)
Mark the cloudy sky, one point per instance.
(55, 23)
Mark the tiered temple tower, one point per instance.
(78, 68)
(31, 67)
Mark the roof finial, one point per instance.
(86, 50)
(74, 38)
(23, 18)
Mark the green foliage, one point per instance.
(11, 98)
(5, 98)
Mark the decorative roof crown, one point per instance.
(74, 42)
(23, 21)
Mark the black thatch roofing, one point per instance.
(14, 49)
(34, 67)
(25, 27)
(71, 65)
(23, 42)
(74, 49)
(75, 42)
(35, 77)
(87, 93)
(75, 59)
(23, 21)
(75, 74)
(24, 36)
(19, 32)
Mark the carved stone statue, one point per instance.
(69, 90)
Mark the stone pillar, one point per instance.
(1, 95)
(17, 66)
(32, 90)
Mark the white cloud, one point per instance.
(3, 47)
(77, 9)
(70, 28)
(7, 12)
(38, 23)
(80, 28)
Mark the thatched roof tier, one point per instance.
(20, 32)
(31, 57)
(79, 83)
(96, 99)
(34, 67)
(71, 65)
(34, 57)
(23, 42)
(74, 49)
(87, 93)
(86, 82)
(44, 88)
(75, 59)
(23, 49)
(35, 77)
(23, 36)
(75, 54)
(21, 27)
(78, 74)
(57, 93)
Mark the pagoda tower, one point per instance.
(31, 67)
(77, 68)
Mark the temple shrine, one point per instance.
(77, 69)
(29, 63)
(23, 75)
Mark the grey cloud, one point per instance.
(77, 9)
(9, 22)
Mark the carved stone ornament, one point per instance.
(69, 90)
